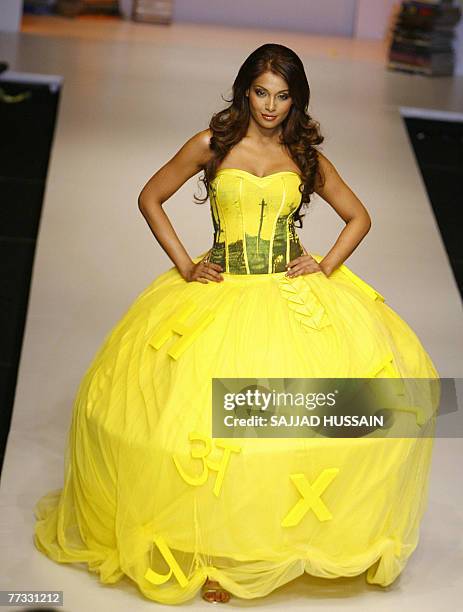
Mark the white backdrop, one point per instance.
(330, 17)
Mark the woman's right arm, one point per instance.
(187, 162)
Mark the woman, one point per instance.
(148, 492)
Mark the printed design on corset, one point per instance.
(259, 237)
(307, 308)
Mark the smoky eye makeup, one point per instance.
(260, 92)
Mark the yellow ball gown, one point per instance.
(149, 494)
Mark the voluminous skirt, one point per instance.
(149, 494)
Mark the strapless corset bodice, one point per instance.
(252, 216)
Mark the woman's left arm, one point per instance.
(339, 196)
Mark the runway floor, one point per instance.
(132, 95)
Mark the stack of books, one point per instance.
(422, 38)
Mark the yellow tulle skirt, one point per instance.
(149, 494)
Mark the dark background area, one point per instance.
(27, 122)
(438, 147)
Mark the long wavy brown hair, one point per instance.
(300, 133)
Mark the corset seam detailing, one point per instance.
(217, 199)
(289, 234)
(243, 229)
(227, 203)
(272, 239)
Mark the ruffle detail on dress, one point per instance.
(307, 308)
(389, 565)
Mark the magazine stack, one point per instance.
(422, 38)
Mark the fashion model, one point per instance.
(148, 492)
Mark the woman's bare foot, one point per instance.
(214, 593)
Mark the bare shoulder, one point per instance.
(324, 163)
(199, 146)
(204, 137)
(187, 161)
(192, 155)
(327, 173)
